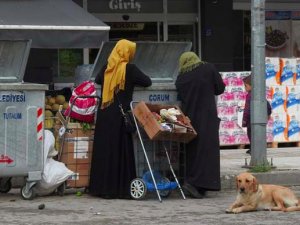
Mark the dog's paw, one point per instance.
(237, 210)
(284, 210)
(228, 211)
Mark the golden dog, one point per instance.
(253, 196)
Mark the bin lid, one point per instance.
(13, 60)
(51, 24)
(159, 60)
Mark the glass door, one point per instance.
(183, 33)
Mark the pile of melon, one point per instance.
(52, 104)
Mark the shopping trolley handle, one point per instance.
(131, 104)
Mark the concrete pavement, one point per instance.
(86, 210)
(285, 160)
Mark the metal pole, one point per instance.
(199, 30)
(165, 22)
(258, 94)
(86, 54)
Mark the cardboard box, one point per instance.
(77, 154)
(143, 112)
(292, 99)
(81, 178)
(288, 72)
(272, 71)
(293, 124)
(280, 130)
(77, 147)
(297, 75)
(278, 99)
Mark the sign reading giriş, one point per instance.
(5, 159)
(124, 5)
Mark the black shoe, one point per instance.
(248, 152)
(191, 190)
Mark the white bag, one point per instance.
(55, 173)
(49, 142)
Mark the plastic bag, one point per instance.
(49, 142)
(83, 109)
(54, 174)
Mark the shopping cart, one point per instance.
(152, 180)
(75, 149)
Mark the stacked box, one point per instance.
(292, 99)
(282, 92)
(285, 100)
(297, 76)
(225, 137)
(272, 66)
(278, 99)
(293, 126)
(230, 107)
(288, 71)
(280, 132)
(77, 154)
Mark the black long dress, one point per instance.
(197, 90)
(113, 164)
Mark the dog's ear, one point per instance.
(255, 184)
(237, 182)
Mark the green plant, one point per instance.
(85, 126)
(261, 168)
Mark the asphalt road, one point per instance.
(86, 210)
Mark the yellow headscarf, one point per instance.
(114, 75)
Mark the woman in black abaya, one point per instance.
(113, 165)
(197, 85)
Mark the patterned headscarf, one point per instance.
(188, 61)
(114, 75)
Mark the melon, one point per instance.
(60, 99)
(48, 113)
(55, 107)
(51, 101)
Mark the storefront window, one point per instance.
(132, 31)
(282, 34)
(68, 60)
(182, 33)
(247, 40)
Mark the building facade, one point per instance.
(219, 30)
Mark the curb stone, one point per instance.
(281, 177)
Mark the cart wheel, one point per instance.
(5, 185)
(61, 189)
(27, 195)
(167, 192)
(138, 188)
(86, 190)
